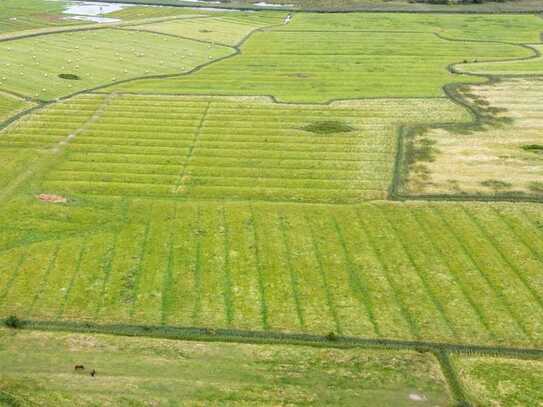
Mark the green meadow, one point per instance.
(226, 172)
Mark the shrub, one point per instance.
(13, 322)
(328, 126)
(332, 337)
(69, 76)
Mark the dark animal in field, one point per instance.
(93, 373)
(79, 367)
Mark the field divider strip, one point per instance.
(277, 337)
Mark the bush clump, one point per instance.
(69, 76)
(536, 148)
(328, 127)
(13, 322)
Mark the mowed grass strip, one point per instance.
(227, 148)
(351, 270)
(322, 66)
(31, 66)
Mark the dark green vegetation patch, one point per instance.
(329, 127)
(69, 76)
(536, 148)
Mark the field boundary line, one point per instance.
(278, 337)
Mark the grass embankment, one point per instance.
(38, 368)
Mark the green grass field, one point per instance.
(38, 367)
(322, 66)
(251, 187)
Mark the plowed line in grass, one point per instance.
(227, 279)
(107, 264)
(359, 287)
(77, 269)
(167, 274)
(137, 274)
(442, 257)
(318, 256)
(420, 273)
(513, 267)
(498, 293)
(13, 277)
(188, 158)
(294, 283)
(42, 286)
(258, 260)
(411, 323)
(197, 309)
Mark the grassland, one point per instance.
(501, 382)
(222, 148)
(97, 57)
(11, 105)
(376, 270)
(503, 158)
(37, 367)
(203, 200)
(322, 66)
